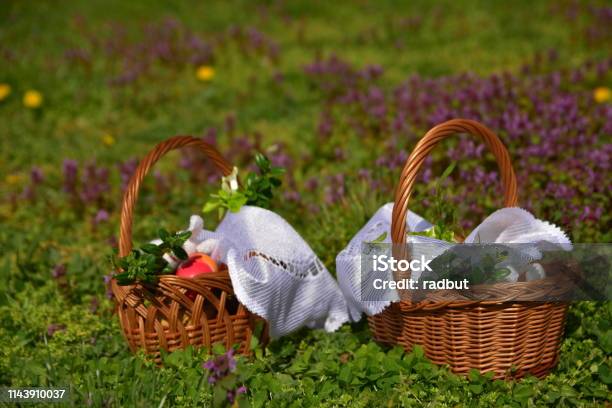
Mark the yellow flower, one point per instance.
(12, 179)
(108, 139)
(5, 91)
(32, 99)
(602, 94)
(205, 73)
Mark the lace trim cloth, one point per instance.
(274, 272)
(508, 225)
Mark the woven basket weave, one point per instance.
(163, 316)
(505, 336)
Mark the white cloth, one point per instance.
(508, 226)
(348, 261)
(274, 272)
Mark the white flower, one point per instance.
(230, 182)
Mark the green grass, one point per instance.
(303, 369)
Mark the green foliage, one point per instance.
(483, 270)
(444, 212)
(259, 187)
(257, 190)
(144, 264)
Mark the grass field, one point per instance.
(336, 93)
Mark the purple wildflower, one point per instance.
(100, 217)
(335, 190)
(281, 159)
(58, 271)
(95, 183)
(70, 170)
(107, 280)
(220, 366)
(230, 124)
(54, 328)
(36, 175)
(162, 184)
(232, 394)
(292, 196)
(311, 184)
(326, 125)
(36, 178)
(93, 307)
(126, 169)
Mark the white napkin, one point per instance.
(506, 226)
(348, 261)
(274, 272)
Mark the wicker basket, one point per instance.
(509, 338)
(162, 316)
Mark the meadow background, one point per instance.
(338, 93)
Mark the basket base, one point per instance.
(178, 312)
(512, 340)
(198, 335)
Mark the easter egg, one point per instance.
(197, 264)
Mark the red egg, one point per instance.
(196, 265)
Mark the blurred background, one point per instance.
(337, 93)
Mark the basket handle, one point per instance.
(423, 148)
(131, 193)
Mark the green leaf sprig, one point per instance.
(144, 264)
(257, 190)
(443, 212)
(485, 271)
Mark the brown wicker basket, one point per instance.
(162, 316)
(509, 338)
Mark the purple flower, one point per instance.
(58, 271)
(278, 77)
(313, 208)
(126, 169)
(36, 178)
(292, 196)
(281, 159)
(311, 184)
(70, 170)
(107, 280)
(335, 190)
(112, 241)
(210, 136)
(36, 175)
(232, 394)
(340, 154)
(230, 124)
(78, 55)
(54, 328)
(220, 366)
(93, 306)
(326, 125)
(365, 174)
(94, 183)
(372, 72)
(101, 216)
(590, 214)
(29, 192)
